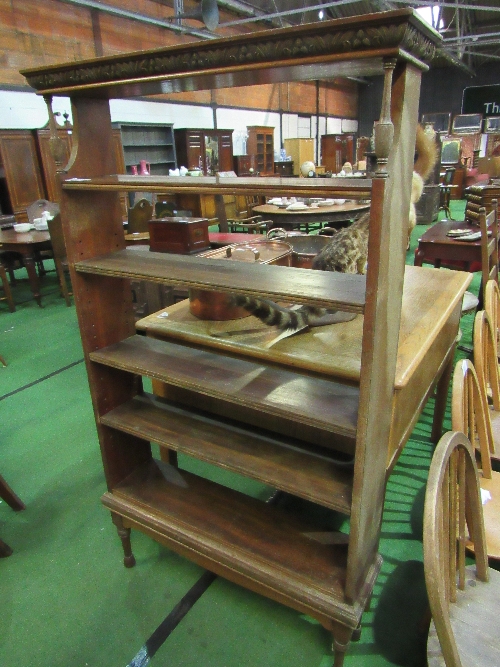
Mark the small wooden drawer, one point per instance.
(179, 235)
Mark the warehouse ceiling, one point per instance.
(470, 28)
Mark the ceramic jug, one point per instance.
(144, 168)
(133, 169)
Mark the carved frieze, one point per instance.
(299, 43)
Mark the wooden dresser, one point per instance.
(268, 418)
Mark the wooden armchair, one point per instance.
(464, 601)
(469, 414)
(59, 253)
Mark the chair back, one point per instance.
(448, 176)
(488, 223)
(485, 357)
(56, 237)
(139, 216)
(452, 492)
(492, 306)
(469, 412)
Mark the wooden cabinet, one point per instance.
(283, 168)
(300, 150)
(336, 149)
(299, 421)
(260, 145)
(152, 143)
(209, 150)
(22, 182)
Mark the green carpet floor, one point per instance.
(66, 599)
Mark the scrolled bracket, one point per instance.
(56, 144)
(384, 128)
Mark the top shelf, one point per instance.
(350, 188)
(353, 46)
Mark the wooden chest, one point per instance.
(179, 235)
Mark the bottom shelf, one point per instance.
(262, 547)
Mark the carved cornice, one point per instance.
(297, 44)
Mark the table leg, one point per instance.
(441, 394)
(29, 263)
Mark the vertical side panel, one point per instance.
(92, 225)
(386, 257)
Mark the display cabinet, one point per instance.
(336, 150)
(300, 150)
(21, 181)
(209, 150)
(309, 423)
(149, 143)
(260, 145)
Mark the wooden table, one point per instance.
(435, 247)
(429, 325)
(27, 245)
(281, 217)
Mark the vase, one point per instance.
(144, 168)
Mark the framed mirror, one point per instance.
(439, 121)
(468, 123)
(492, 125)
(451, 150)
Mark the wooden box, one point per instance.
(178, 235)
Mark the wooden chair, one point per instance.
(464, 600)
(253, 225)
(492, 307)
(7, 294)
(7, 494)
(139, 216)
(489, 246)
(469, 414)
(59, 253)
(445, 192)
(486, 364)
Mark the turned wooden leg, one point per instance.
(341, 640)
(124, 535)
(5, 550)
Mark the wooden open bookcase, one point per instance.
(303, 415)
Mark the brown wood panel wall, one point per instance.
(41, 32)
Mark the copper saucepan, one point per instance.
(211, 305)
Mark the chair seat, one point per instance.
(474, 619)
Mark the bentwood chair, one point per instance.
(469, 414)
(464, 600)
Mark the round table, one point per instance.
(281, 217)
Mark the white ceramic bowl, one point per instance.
(22, 227)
